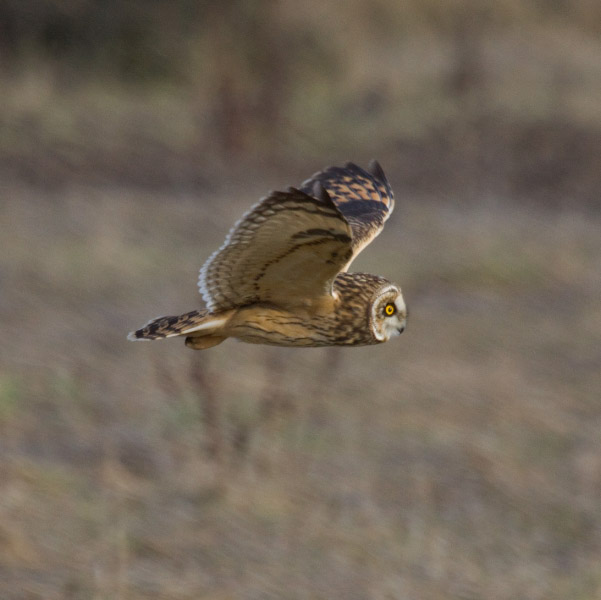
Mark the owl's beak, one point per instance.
(401, 329)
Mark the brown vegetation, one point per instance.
(461, 460)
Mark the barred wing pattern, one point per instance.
(364, 198)
(288, 247)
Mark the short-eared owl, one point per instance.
(280, 277)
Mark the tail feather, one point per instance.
(198, 322)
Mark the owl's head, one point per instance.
(388, 315)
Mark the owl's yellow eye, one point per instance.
(390, 309)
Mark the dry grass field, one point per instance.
(460, 461)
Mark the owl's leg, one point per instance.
(204, 341)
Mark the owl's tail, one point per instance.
(201, 328)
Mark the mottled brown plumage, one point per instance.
(280, 276)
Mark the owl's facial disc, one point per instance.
(389, 313)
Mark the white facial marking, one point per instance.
(390, 326)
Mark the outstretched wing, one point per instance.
(364, 198)
(288, 248)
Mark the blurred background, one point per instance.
(462, 460)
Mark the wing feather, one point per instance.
(288, 248)
(364, 198)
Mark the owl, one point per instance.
(280, 277)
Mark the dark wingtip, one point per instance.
(376, 170)
(321, 193)
(137, 336)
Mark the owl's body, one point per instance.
(280, 278)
